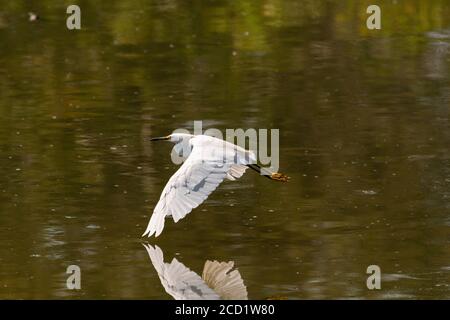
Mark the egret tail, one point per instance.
(269, 174)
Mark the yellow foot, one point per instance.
(279, 177)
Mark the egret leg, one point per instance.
(268, 174)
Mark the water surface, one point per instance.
(364, 123)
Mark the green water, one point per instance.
(364, 133)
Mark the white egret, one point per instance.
(208, 161)
(218, 280)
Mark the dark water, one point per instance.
(365, 135)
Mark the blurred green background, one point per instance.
(364, 123)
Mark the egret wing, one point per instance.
(236, 171)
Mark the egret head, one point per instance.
(174, 137)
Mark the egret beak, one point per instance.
(160, 138)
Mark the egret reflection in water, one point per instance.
(218, 280)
